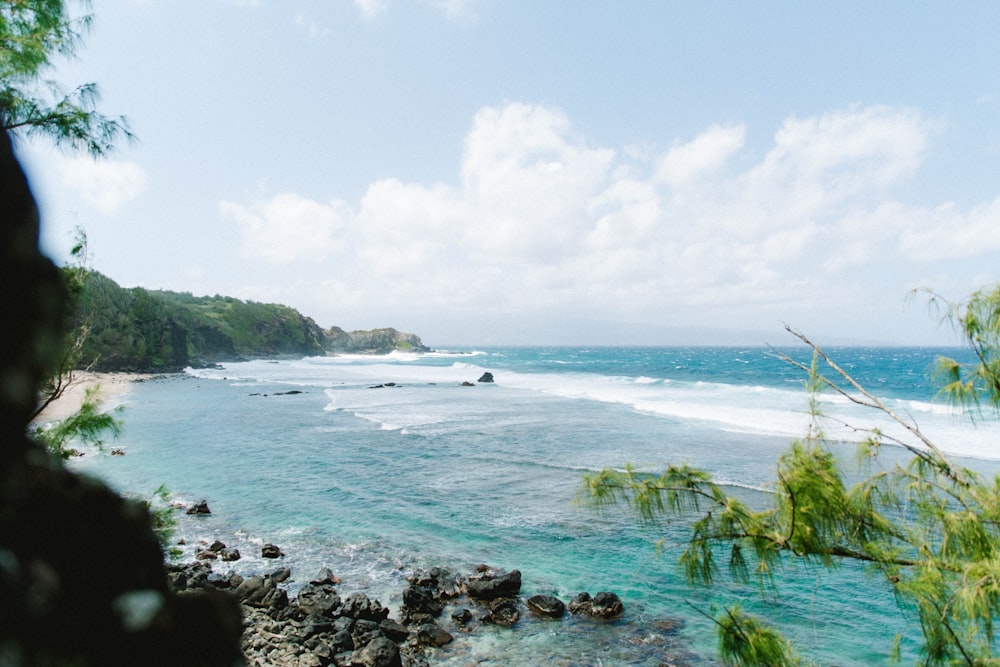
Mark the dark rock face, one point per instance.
(65, 601)
(485, 377)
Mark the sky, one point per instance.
(546, 172)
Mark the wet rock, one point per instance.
(325, 576)
(359, 606)
(271, 551)
(486, 377)
(230, 554)
(462, 616)
(492, 585)
(503, 612)
(603, 605)
(546, 605)
(199, 508)
(319, 600)
(432, 634)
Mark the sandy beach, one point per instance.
(111, 388)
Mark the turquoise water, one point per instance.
(374, 482)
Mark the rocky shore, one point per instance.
(319, 626)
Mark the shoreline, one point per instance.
(111, 389)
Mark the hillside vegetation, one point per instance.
(134, 329)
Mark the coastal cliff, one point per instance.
(139, 330)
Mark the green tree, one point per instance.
(928, 527)
(33, 33)
(89, 425)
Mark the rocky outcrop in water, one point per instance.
(318, 627)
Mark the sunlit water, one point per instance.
(374, 482)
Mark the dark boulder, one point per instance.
(230, 554)
(394, 630)
(546, 605)
(603, 605)
(485, 377)
(462, 616)
(380, 652)
(432, 634)
(271, 551)
(359, 606)
(606, 605)
(420, 600)
(199, 508)
(325, 576)
(503, 611)
(492, 585)
(319, 600)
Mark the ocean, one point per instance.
(375, 466)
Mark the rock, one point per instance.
(468, 384)
(432, 634)
(271, 551)
(117, 452)
(325, 576)
(319, 600)
(420, 600)
(503, 612)
(580, 604)
(206, 555)
(462, 616)
(199, 508)
(604, 605)
(364, 631)
(230, 554)
(216, 546)
(380, 652)
(395, 631)
(357, 605)
(490, 586)
(546, 605)
(486, 377)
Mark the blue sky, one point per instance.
(479, 172)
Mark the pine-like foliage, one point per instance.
(33, 33)
(929, 528)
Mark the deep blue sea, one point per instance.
(374, 482)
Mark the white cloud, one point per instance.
(702, 157)
(287, 228)
(457, 9)
(371, 9)
(107, 185)
(542, 220)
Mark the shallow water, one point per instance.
(375, 482)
